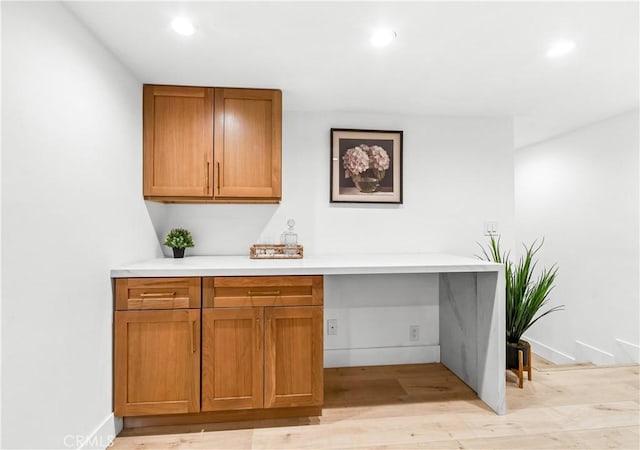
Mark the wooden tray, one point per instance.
(273, 251)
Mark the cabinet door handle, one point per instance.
(193, 336)
(157, 294)
(218, 176)
(259, 332)
(263, 293)
(207, 175)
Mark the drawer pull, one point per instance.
(157, 294)
(263, 293)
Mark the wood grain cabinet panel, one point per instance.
(248, 141)
(248, 349)
(178, 141)
(158, 293)
(259, 356)
(157, 362)
(232, 362)
(293, 356)
(204, 144)
(262, 291)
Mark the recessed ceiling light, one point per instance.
(560, 48)
(382, 37)
(182, 26)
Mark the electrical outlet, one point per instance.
(414, 333)
(332, 327)
(491, 228)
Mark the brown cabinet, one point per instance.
(247, 143)
(178, 141)
(204, 144)
(157, 348)
(157, 293)
(254, 348)
(157, 362)
(262, 291)
(293, 356)
(261, 356)
(232, 358)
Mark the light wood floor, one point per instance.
(426, 406)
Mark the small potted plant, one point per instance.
(525, 296)
(178, 239)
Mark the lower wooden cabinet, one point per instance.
(157, 362)
(232, 358)
(257, 345)
(293, 356)
(261, 357)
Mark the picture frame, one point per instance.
(366, 166)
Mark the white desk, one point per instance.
(472, 300)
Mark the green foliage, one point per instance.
(179, 238)
(525, 297)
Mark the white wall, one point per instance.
(71, 210)
(458, 173)
(1, 253)
(581, 192)
(374, 313)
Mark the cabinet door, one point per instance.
(178, 141)
(232, 358)
(293, 356)
(248, 128)
(157, 362)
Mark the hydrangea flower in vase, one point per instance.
(366, 166)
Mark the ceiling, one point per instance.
(449, 58)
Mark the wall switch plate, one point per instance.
(414, 333)
(332, 327)
(491, 228)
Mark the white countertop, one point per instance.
(206, 266)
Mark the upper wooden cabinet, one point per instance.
(247, 143)
(178, 141)
(206, 144)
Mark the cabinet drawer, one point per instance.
(157, 293)
(221, 292)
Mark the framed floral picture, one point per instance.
(366, 166)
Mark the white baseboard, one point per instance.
(353, 357)
(549, 353)
(103, 435)
(627, 353)
(589, 353)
